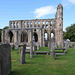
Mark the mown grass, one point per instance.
(44, 64)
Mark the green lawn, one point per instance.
(44, 64)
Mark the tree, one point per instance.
(0, 34)
(6, 27)
(70, 33)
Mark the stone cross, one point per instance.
(22, 57)
(31, 49)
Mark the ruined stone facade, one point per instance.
(18, 31)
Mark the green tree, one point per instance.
(6, 27)
(0, 34)
(70, 33)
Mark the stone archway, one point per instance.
(24, 36)
(10, 36)
(35, 37)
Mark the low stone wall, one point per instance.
(5, 59)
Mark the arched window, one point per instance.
(24, 24)
(38, 22)
(11, 36)
(45, 35)
(35, 22)
(11, 25)
(17, 24)
(14, 25)
(35, 37)
(46, 26)
(46, 22)
(24, 37)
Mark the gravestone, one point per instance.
(16, 45)
(33, 43)
(38, 46)
(52, 52)
(5, 59)
(22, 57)
(66, 46)
(74, 46)
(31, 49)
(12, 46)
(6, 42)
(0, 65)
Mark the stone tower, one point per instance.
(59, 26)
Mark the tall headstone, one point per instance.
(12, 45)
(31, 49)
(0, 65)
(22, 57)
(74, 46)
(33, 40)
(38, 46)
(16, 45)
(66, 46)
(52, 52)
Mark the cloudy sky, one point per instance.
(35, 9)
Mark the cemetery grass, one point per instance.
(44, 64)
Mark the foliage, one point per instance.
(44, 64)
(70, 33)
(6, 27)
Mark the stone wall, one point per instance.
(19, 30)
(5, 59)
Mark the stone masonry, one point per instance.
(47, 26)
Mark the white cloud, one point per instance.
(71, 1)
(42, 11)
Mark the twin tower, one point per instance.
(21, 31)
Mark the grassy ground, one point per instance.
(44, 64)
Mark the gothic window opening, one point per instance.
(11, 36)
(14, 25)
(35, 37)
(45, 35)
(24, 37)
(17, 24)
(11, 24)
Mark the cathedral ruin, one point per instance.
(21, 31)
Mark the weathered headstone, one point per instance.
(6, 42)
(31, 49)
(74, 46)
(66, 46)
(12, 46)
(5, 59)
(52, 52)
(16, 45)
(38, 46)
(22, 57)
(20, 49)
(33, 40)
(0, 65)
